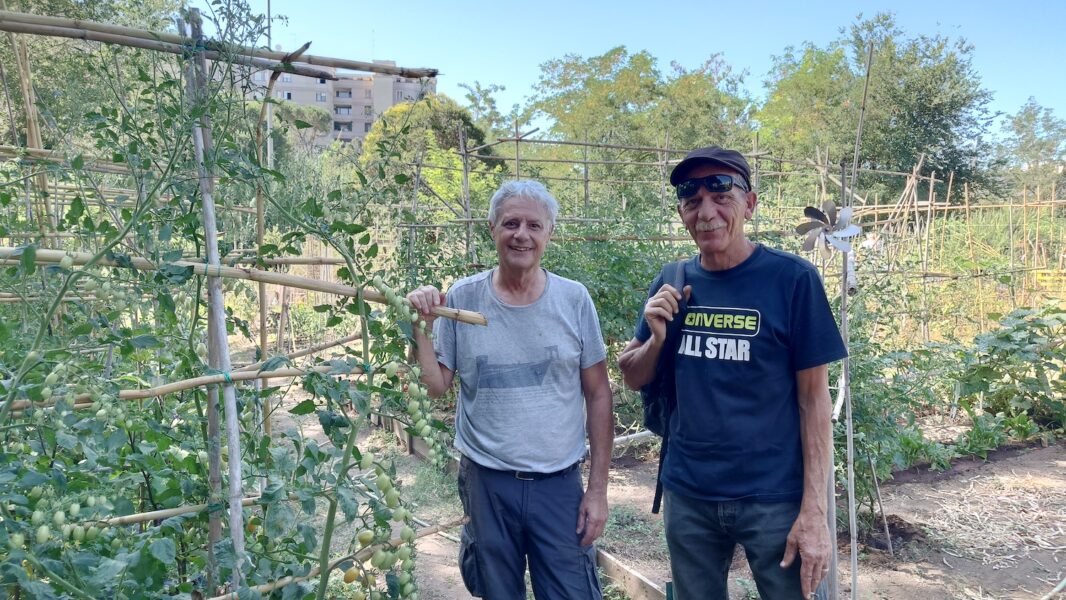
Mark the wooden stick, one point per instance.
(84, 401)
(156, 515)
(217, 343)
(217, 47)
(81, 258)
(146, 44)
(358, 557)
(304, 352)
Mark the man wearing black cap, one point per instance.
(750, 436)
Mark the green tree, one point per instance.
(925, 99)
(483, 109)
(809, 103)
(1035, 144)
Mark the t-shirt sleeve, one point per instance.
(815, 336)
(642, 331)
(444, 337)
(593, 349)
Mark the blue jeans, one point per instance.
(702, 534)
(513, 520)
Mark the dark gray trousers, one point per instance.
(513, 520)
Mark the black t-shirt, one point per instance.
(749, 329)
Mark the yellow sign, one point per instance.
(1052, 281)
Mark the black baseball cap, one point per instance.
(731, 159)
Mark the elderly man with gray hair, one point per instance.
(531, 384)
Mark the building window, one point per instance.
(342, 110)
(368, 110)
(343, 94)
(321, 80)
(286, 78)
(288, 95)
(366, 127)
(342, 126)
(399, 96)
(259, 76)
(320, 96)
(369, 93)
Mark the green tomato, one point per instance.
(392, 498)
(384, 483)
(366, 461)
(52, 378)
(404, 552)
(43, 533)
(79, 533)
(407, 534)
(16, 541)
(59, 517)
(38, 517)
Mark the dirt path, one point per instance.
(984, 530)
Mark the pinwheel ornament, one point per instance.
(828, 229)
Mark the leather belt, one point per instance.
(534, 476)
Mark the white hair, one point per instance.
(524, 188)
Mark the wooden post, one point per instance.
(218, 348)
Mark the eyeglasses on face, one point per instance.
(715, 184)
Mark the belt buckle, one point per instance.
(519, 475)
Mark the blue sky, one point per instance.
(1019, 48)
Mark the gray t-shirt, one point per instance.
(521, 406)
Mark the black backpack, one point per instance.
(659, 396)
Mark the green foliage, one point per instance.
(1017, 369)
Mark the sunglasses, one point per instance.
(715, 184)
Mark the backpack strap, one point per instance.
(673, 274)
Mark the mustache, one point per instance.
(708, 226)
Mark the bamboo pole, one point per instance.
(216, 47)
(862, 117)
(1040, 258)
(370, 294)
(585, 170)
(172, 48)
(926, 249)
(358, 557)
(1025, 226)
(217, 343)
(943, 226)
(517, 151)
(466, 196)
(40, 209)
(158, 515)
(84, 401)
(845, 382)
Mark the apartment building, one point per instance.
(353, 101)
